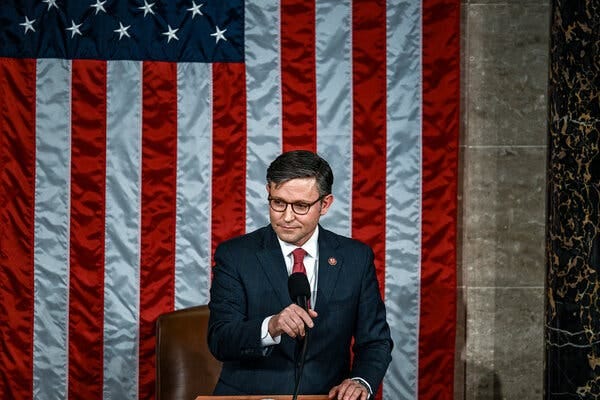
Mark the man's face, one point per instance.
(289, 226)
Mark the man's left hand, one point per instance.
(349, 390)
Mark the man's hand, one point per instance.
(349, 390)
(291, 321)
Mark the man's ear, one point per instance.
(326, 203)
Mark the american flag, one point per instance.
(135, 136)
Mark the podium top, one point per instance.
(265, 397)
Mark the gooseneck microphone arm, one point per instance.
(301, 366)
(299, 289)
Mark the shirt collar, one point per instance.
(310, 246)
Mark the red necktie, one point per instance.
(299, 254)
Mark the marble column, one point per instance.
(572, 336)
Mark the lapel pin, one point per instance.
(332, 261)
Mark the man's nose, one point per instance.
(288, 214)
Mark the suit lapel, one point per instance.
(330, 265)
(272, 262)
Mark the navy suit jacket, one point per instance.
(250, 284)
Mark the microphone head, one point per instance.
(298, 286)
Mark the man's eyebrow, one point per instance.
(291, 202)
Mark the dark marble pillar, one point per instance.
(572, 364)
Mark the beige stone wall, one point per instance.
(501, 266)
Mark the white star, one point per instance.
(219, 34)
(74, 29)
(99, 6)
(195, 9)
(171, 34)
(51, 3)
(147, 8)
(122, 31)
(28, 25)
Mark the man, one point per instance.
(254, 327)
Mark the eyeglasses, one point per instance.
(299, 208)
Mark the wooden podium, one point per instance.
(261, 397)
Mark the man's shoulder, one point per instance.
(337, 240)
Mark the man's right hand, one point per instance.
(291, 321)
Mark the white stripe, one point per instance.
(123, 229)
(334, 104)
(52, 217)
(263, 86)
(194, 166)
(403, 223)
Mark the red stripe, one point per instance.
(229, 152)
(17, 188)
(369, 134)
(159, 177)
(369, 129)
(298, 75)
(86, 278)
(441, 91)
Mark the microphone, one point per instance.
(299, 290)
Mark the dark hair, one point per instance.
(301, 164)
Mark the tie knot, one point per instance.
(299, 254)
(298, 266)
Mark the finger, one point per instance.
(352, 393)
(292, 328)
(362, 393)
(304, 316)
(295, 308)
(342, 390)
(296, 324)
(333, 392)
(280, 323)
(299, 328)
(352, 390)
(294, 315)
(290, 314)
(299, 319)
(306, 320)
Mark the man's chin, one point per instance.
(287, 235)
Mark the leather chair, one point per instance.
(185, 368)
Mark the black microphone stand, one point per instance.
(299, 289)
(301, 365)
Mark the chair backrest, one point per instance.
(185, 368)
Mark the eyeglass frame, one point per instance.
(309, 205)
